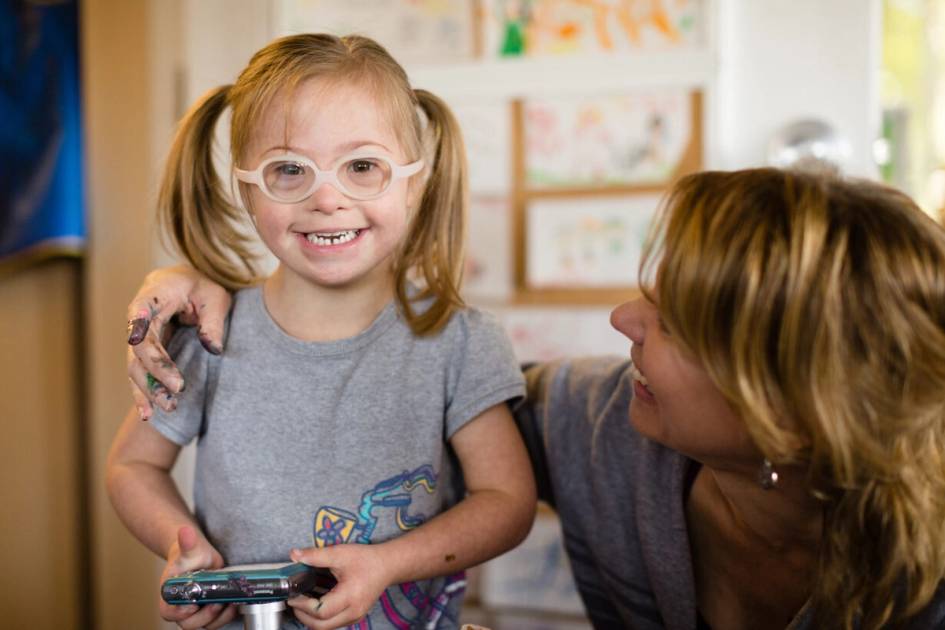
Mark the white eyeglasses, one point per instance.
(290, 178)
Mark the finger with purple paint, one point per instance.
(170, 296)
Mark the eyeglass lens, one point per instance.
(290, 180)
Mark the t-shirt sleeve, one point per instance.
(185, 423)
(566, 402)
(484, 370)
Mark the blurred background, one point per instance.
(577, 115)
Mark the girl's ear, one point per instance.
(415, 186)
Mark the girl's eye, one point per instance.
(360, 167)
(290, 169)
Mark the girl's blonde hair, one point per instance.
(817, 306)
(202, 221)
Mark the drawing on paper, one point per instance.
(413, 31)
(555, 27)
(586, 242)
(632, 139)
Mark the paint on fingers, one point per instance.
(207, 343)
(138, 327)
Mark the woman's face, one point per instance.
(675, 402)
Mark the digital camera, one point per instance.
(247, 584)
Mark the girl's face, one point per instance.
(675, 402)
(330, 239)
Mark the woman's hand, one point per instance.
(191, 552)
(362, 577)
(173, 291)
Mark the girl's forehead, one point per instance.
(325, 113)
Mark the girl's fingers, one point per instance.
(207, 614)
(229, 614)
(330, 611)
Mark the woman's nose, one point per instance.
(628, 320)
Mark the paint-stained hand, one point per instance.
(181, 293)
(362, 577)
(191, 552)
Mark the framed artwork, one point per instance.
(590, 173)
(413, 31)
(536, 28)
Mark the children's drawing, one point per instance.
(488, 272)
(534, 575)
(485, 125)
(413, 31)
(586, 241)
(546, 334)
(632, 139)
(556, 27)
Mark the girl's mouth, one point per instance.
(326, 239)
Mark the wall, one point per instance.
(782, 60)
(128, 84)
(42, 523)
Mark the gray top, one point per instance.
(310, 443)
(621, 499)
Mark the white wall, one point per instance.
(780, 60)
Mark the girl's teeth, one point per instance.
(331, 238)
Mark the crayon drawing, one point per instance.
(537, 28)
(486, 133)
(586, 242)
(413, 31)
(488, 268)
(626, 140)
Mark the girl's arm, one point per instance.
(495, 516)
(139, 484)
(140, 487)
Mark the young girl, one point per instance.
(351, 405)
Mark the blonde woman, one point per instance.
(773, 454)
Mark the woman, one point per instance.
(782, 463)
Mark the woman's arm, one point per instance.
(496, 515)
(181, 292)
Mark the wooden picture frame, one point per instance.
(534, 286)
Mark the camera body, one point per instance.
(247, 584)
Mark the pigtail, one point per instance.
(436, 241)
(192, 205)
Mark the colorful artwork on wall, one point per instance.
(413, 31)
(617, 140)
(586, 242)
(537, 28)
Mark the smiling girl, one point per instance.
(358, 400)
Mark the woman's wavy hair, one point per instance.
(203, 222)
(817, 306)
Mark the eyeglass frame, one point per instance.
(327, 176)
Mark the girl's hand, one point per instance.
(195, 300)
(362, 577)
(191, 552)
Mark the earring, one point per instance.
(767, 475)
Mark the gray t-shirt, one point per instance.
(621, 500)
(318, 443)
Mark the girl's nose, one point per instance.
(327, 199)
(628, 319)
